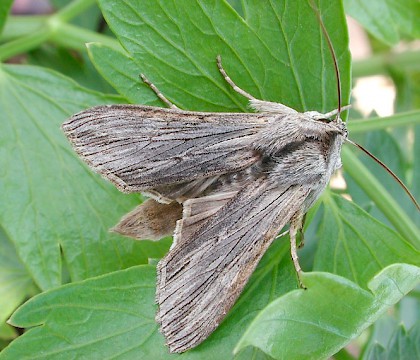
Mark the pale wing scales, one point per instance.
(141, 147)
(216, 261)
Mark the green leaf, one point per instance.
(385, 146)
(378, 352)
(64, 61)
(108, 316)
(355, 245)
(112, 316)
(403, 345)
(378, 193)
(5, 6)
(49, 198)
(316, 323)
(15, 282)
(263, 53)
(120, 70)
(7, 332)
(386, 20)
(383, 332)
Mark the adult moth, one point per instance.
(231, 181)
(224, 184)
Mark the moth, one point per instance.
(224, 184)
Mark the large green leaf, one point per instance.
(386, 20)
(123, 73)
(5, 6)
(49, 199)
(15, 281)
(79, 67)
(278, 52)
(316, 323)
(112, 316)
(403, 345)
(389, 206)
(355, 245)
(100, 317)
(383, 146)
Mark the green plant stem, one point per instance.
(378, 123)
(384, 201)
(75, 37)
(73, 9)
(415, 294)
(35, 30)
(18, 26)
(23, 44)
(378, 64)
(343, 354)
(55, 30)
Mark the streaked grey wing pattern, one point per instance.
(143, 147)
(217, 260)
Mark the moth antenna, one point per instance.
(390, 172)
(333, 55)
(339, 108)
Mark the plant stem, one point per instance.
(18, 26)
(343, 354)
(383, 200)
(378, 64)
(378, 123)
(42, 29)
(23, 44)
(73, 9)
(75, 37)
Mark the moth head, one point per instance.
(327, 118)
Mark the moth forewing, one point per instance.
(202, 276)
(149, 149)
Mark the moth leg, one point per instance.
(335, 112)
(254, 103)
(282, 234)
(157, 92)
(301, 233)
(295, 226)
(230, 81)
